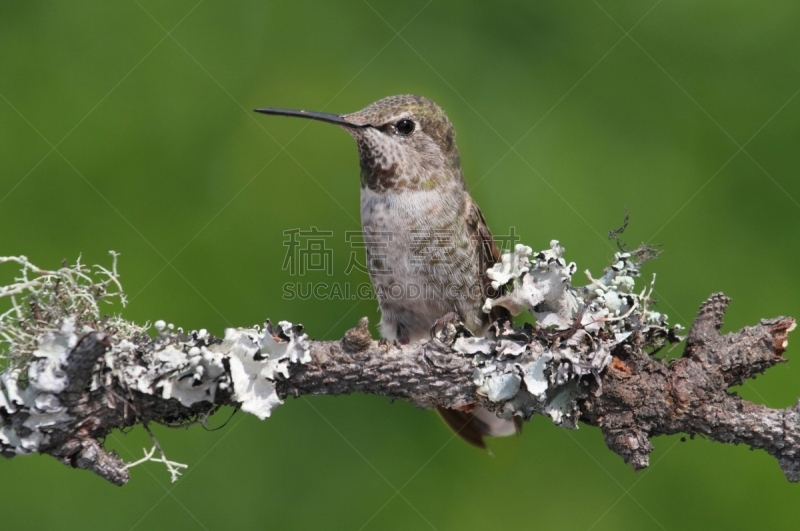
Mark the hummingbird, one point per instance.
(428, 246)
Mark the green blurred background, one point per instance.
(691, 121)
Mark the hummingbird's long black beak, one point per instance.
(321, 116)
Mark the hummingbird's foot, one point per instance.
(442, 322)
(383, 342)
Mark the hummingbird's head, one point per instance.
(404, 143)
(409, 144)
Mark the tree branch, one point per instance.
(72, 378)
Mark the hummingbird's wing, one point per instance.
(488, 255)
(476, 423)
(464, 424)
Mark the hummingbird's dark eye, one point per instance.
(405, 127)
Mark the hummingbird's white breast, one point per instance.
(420, 258)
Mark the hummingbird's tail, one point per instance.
(472, 426)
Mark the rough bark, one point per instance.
(636, 398)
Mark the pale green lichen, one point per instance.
(41, 300)
(49, 311)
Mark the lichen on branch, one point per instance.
(71, 376)
(541, 369)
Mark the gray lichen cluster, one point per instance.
(49, 312)
(537, 369)
(70, 377)
(546, 368)
(194, 367)
(62, 307)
